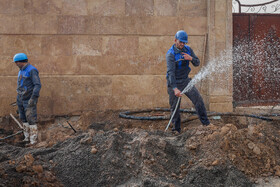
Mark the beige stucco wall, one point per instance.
(220, 87)
(108, 54)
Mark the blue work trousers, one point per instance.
(27, 113)
(194, 95)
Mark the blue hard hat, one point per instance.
(182, 36)
(20, 57)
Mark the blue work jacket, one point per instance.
(178, 69)
(28, 84)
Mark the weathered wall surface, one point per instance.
(105, 54)
(219, 16)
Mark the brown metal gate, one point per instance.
(256, 59)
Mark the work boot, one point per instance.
(176, 132)
(33, 134)
(26, 132)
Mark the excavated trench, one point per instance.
(107, 150)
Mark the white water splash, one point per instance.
(218, 65)
(255, 65)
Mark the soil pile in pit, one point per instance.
(116, 152)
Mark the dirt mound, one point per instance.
(254, 150)
(110, 151)
(112, 158)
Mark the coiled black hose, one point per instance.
(129, 115)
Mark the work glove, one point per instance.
(32, 102)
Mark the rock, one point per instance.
(37, 168)
(277, 171)
(86, 140)
(251, 145)
(183, 166)
(162, 144)
(49, 176)
(21, 168)
(257, 150)
(93, 150)
(251, 129)
(232, 157)
(192, 147)
(12, 162)
(91, 132)
(213, 136)
(231, 126)
(224, 130)
(28, 159)
(116, 129)
(42, 144)
(216, 162)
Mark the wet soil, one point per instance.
(107, 150)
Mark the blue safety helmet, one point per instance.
(20, 57)
(182, 36)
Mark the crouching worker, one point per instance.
(28, 88)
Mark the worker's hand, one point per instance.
(187, 56)
(32, 102)
(177, 92)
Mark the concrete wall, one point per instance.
(107, 54)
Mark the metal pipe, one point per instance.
(173, 113)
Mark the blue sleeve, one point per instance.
(171, 67)
(195, 60)
(36, 82)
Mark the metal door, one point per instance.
(256, 54)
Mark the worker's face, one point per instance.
(20, 64)
(180, 45)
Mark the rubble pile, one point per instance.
(109, 151)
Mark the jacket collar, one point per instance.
(176, 50)
(25, 66)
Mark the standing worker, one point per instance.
(178, 58)
(28, 88)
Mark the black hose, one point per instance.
(129, 115)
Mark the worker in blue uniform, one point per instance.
(28, 89)
(178, 59)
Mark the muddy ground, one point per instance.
(110, 151)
